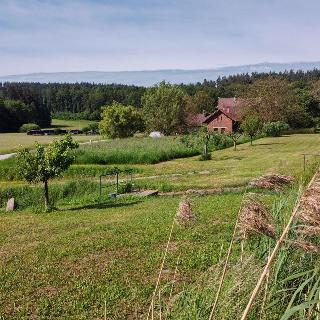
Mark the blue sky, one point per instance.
(110, 35)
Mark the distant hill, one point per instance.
(148, 78)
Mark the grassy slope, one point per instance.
(66, 264)
(11, 142)
(227, 167)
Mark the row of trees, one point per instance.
(287, 94)
(15, 113)
(166, 107)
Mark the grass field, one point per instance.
(67, 264)
(133, 151)
(89, 259)
(70, 124)
(11, 142)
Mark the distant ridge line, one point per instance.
(151, 77)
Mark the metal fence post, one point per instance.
(100, 191)
(117, 181)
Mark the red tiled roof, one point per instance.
(230, 106)
(197, 119)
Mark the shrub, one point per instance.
(92, 128)
(275, 129)
(29, 126)
(125, 187)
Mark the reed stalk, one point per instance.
(160, 271)
(274, 252)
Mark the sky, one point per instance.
(124, 35)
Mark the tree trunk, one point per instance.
(46, 195)
(205, 149)
(234, 145)
(251, 138)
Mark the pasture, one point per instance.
(12, 142)
(97, 258)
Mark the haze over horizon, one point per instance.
(131, 35)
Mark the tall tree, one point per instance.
(119, 121)
(164, 108)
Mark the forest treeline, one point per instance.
(36, 102)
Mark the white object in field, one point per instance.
(155, 134)
(10, 205)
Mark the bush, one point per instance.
(92, 128)
(126, 187)
(275, 129)
(29, 126)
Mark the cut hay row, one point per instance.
(255, 218)
(272, 181)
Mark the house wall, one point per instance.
(220, 123)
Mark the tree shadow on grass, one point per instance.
(235, 157)
(104, 205)
(58, 126)
(266, 144)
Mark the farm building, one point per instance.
(224, 119)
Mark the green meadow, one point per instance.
(99, 258)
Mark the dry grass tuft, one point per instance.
(255, 218)
(184, 213)
(309, 214)
(310, 205)
(306, 246)
(308, 231)
(272, 181)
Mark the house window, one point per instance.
(223, 129)
(215, 129)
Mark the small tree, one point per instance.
(120, 121)
(43, 164)
(251, 126)
(234, 137)
(199, 140)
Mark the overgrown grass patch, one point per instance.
(134, 151)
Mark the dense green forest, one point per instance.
(35, 102)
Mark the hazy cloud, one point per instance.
(57, 35)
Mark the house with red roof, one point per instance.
(224, 119)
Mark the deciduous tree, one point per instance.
(251, 125)
(45, 163)
(164, 108)
(120, 121)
